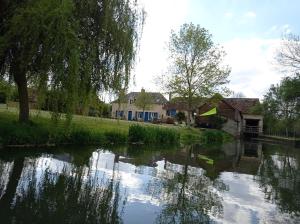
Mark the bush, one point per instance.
(170, 120)
(180, 116)
(152, 135)
(156, 121)
(19, 134)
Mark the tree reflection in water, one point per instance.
(279, 177)
(187, 194)
(70, 196)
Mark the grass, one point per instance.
(86, 130)
(153, 135)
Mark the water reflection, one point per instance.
(240, 182)
(279, 178)
(188, 196)
(50, 189)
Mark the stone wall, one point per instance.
(232, 127)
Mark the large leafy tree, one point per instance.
(281, 105)
(196, 65)
(70, 47)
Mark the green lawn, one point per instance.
(41, 122)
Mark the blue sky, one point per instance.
(249, 31)
(228, 19)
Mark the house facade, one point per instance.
(239, 119)
(127, 110)
(180, 105)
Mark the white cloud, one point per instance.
(279, 30)
(250, 59)
(245, 202)
(250, 14)
(253, 65)
(228, 15)
(162, 16)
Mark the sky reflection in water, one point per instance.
(246, 183)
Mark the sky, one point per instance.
(250, 32)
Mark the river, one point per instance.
(238, 182)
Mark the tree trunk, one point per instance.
(21, 81)
(189, 118)
(7, 198)
(143, 115)
(189, 111)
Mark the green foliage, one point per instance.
(215, 99)
(115, 137)
(217, 121)
(281, 106)
(42, 131)
(18, 134)
(69, 46)
(87, 131)
(256, 109)
(152, 135)
(143, 101)
(7, 91)
(180, 116)
(196, 69)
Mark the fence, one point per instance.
(287, 133)
(252, 129)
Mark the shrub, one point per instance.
(170, 120)
(18, 134)
(156, 121)
(180, 116)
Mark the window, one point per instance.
(119, 113)
(140, 114)
(171, 112)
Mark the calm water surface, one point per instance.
(240, 182)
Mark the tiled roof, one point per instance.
(242, 104)
(181, 104)
(157, 98)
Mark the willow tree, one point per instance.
(72, 48)
(196, 68)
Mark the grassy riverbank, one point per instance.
(92, 130)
